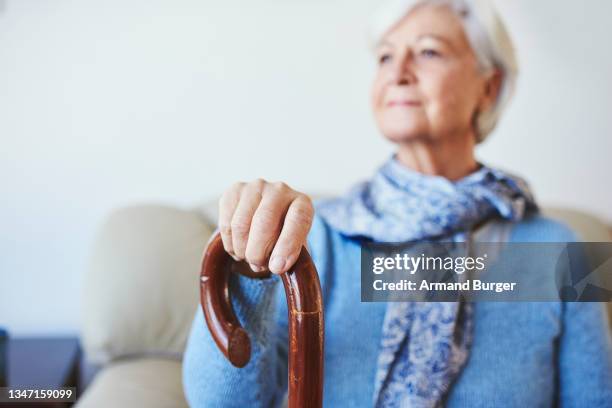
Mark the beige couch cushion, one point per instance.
(587, 226)
(141, 289)
(151, 383)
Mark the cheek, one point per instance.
(377, 99)
(451, 98)
(376, 94)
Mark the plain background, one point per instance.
(110, 103)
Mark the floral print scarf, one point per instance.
(424, 345)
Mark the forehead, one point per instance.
(428, 20)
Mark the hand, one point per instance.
(265, 224)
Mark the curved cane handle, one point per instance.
(305, 309)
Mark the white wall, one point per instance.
(115, 102)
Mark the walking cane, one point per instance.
(305, 310)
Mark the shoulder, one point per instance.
(331, 252)
(323, 238)
(540, 228)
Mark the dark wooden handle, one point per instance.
(306, 326)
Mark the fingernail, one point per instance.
(235, 257)
(277, 264)
(256, 268)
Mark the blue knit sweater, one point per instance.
(523, 354)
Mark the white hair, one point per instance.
(488, 38)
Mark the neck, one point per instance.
(452, 159)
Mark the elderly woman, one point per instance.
(445, 71)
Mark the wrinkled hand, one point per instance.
(265, 224)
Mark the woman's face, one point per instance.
(428, 85)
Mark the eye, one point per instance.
(429, 53)
(384, 58)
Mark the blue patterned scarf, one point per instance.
(424, 345)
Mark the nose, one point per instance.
(403, 72)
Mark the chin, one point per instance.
(402, 128)
(397, 134)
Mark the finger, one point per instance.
(227, 205)
(250, 198)
(293, 235)
(267, 223)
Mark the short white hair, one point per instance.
(488, 38)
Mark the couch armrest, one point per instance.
(146, 382)
(141, 286)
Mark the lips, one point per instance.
(403, 102)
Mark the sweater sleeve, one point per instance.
(585, 346)
(209, 379)
(585, 356)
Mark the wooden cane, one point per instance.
(305, 311)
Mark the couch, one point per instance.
(141, 291)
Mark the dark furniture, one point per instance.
(42, 363)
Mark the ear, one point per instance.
(492, 87)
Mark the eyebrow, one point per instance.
(436, 37)
(419, 38)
